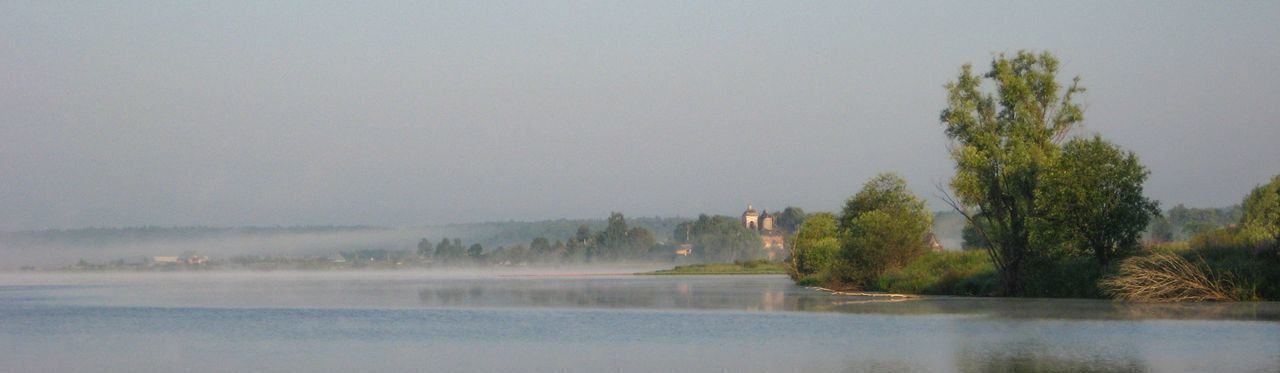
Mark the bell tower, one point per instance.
(751, 218)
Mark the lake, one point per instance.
(543, 320)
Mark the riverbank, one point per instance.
(757, 267)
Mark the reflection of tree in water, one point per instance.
(772, 294)
(613, 293)
(1035, 356)
(1012, 308)
(536, 294)
(880, 366)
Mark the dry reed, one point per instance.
(1166, 278)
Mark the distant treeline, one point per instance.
(617, 241)
(99, 236)
(1181, 223)
(712, 238)
(487, 233)
(509, 233)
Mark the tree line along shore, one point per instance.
(1049, 213)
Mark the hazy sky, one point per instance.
(266, 113)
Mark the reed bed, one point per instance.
(1166, 277)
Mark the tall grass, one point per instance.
(951, 273)
(1165, 277)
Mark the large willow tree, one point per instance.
(1003, 141)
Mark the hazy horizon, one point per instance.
(290, 114)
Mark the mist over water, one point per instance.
(56, 253)
(549, 320)
(166, 123)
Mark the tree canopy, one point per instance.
(884, 226)
(1261, 218)
(1002, 143)
(1091, 202)
(721, 238)
(816, 245)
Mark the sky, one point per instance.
(406, 114)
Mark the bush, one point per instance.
(818, 257)
(814, 247)
(883, 228)
(1218, 239)
(1066, 277)
(945, 273)
(1252, 265)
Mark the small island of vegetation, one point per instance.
(1048, 214)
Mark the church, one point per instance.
(774, 239)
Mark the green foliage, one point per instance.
(1159, 229)
(815, 246)
(1003, 143)
(1064, 277)
(449, 252)
(952, 273)
(424, 248)
(639, 242)
(1186, 222)
(1219, 239)
(973, 236)
(883, 227)
(790, 219)
(506, 233)
(616, 242)
(1249, 269)
(613, 240)
(1090, 202)
(1261, 218)
(723, 239)
(540, 248)
(886, 191)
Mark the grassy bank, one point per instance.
(1215, 266)
(944, 273)
(1182, 271)
(756, 267)
(936, 273)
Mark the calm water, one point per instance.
(400, 321)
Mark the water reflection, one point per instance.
(548, 323)
(756, 293)
(1036, 356)
(743, 294)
